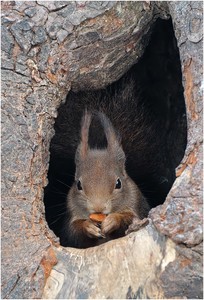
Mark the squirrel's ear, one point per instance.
(113, 139)
(83, 147)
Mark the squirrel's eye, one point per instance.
(79, 185)
(118, 184)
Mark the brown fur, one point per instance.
(98, 171)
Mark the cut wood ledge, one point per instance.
(134, 263)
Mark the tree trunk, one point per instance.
(49, 47)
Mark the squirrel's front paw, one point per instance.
(111, 223)
(92, 230)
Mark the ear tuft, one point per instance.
(83, 147)
(113, 138)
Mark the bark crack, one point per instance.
(19, 73)
(53, 10)
(15, 284)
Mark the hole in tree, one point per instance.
(147, 106)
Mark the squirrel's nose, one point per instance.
(100, 207)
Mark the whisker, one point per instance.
(57, 205)
(64, 183)
(57, 192)
(57, 219)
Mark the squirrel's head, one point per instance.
(100, 178)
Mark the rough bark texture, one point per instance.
(47, 48)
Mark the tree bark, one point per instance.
(49, 47)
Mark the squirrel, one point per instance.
(101, 186)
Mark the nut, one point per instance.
(97, 217)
